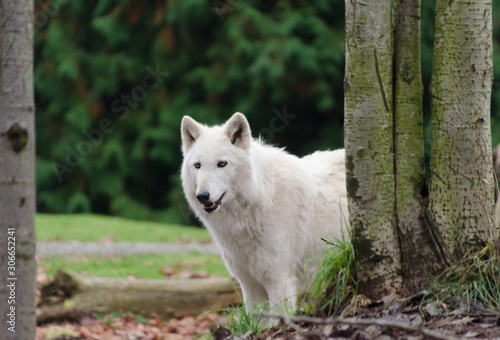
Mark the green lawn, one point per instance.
(92, 228)
(145, 266)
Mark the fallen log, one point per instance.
(71, 295)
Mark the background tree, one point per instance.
(385, 142)
(251, 56)
(258, 57)
(17, 172)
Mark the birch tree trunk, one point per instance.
(420, 257)
(369, 146)
(17, 164)
(462, 185)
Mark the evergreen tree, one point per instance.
(93, 66)
(109, 134)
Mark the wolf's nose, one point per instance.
(203, 196)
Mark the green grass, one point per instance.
(92, 228)
(475, 278)
(240, 322)
(335, 280)
(145, 266)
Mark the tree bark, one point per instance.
(71, 295)
(420, 258)
(17, 164)
(369, 146)
(462, 185)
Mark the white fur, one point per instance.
(275, 209)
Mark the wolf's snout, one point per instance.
(203, 196)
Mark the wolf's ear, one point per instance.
(238, 131)
(190, 131)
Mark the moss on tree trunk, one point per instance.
(369, 148)
(462, 185)
(420, 256)
(401, 235)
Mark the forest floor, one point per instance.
(384, 320)
(129, 327)
(375, 322)
(386, 323)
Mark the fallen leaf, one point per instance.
(433, 309)
(107, 239)
(168, 271)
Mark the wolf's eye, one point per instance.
(197, 165)
(221, 164)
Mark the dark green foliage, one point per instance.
(114, 78)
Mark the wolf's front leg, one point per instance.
(256, 299)
(254, 294)
(283, 295)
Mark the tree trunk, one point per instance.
(17, 164)
(369, 146)
(420, 258)
(462, 185)
(70, 295)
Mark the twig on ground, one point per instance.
(293, 320)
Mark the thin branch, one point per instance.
(289, 320)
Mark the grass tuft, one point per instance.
(335, 281)
(476, 278)
(240, 322)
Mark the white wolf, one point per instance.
(266, 209)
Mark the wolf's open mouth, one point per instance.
(211, 206)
